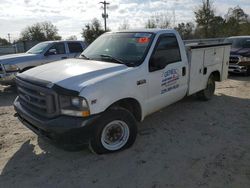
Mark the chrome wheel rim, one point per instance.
(115, 135)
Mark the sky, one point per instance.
(70, 16)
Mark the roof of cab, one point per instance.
(145, 30)
(53, 41)
(233, 37)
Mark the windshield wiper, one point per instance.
(114, 59)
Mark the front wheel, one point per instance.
(248, 71)
(208, 92)
(116, 130)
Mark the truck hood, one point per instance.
(74, 74)
(245, 52)
(16, 58)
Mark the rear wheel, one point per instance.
(208, 92)
(116, 130)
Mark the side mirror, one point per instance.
(51, 52)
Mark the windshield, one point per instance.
(239, 42)
(126, 48)
(39, 48)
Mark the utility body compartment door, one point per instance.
(203, 61)
(196, 78)
(226, 55)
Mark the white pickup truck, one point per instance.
(42, 53)
(120, 79)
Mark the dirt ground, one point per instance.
(188, 144)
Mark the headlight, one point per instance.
(11, 68)
(74, 106)
(244, 59)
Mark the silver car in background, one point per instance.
(42, 53)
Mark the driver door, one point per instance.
(167, 77)
(56, 52)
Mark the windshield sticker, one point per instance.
(142, 35)
(143, 40)
(169, 80)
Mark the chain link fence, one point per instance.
(18, 47)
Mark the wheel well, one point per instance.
(131, 105)
(216, 75)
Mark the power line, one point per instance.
(105, 15)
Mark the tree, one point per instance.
(204, 17)
(72, 37)
(244, 29)
(150, 24)
(42, 31)
(3, 41)
(158, 21)
(185, 30)
(217, 28)
(92, 31)
(124, 26)
(236, 22)
(238, 14)
(163, 21)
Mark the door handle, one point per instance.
(64, 57)
(140, 82)
(205, 70)
(183, 71)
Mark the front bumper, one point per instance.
(65, 130)
(235, 68)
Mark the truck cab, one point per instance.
(118, 80)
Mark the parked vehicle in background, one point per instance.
(42, 53)
(121, 78)
(239, 55)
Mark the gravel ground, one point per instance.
(188, 144)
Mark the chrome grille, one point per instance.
(233, 59)
(40, 100)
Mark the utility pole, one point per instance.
(105, 15)
(9, 37)
(174, 15)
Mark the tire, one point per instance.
(116, 130)
(208, 92)
(248, 71)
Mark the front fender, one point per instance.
(23, 62)
(103, 94)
